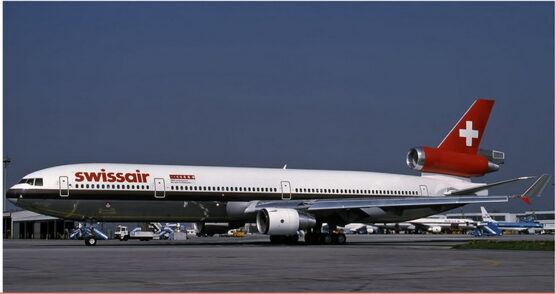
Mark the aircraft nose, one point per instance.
(12, 195)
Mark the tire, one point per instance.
(325, 239)
(309, 238)
(341, 239)
(275, 239)
(90, 241)
(293, 239)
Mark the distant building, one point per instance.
(25, 224)
(477, 216)
(547, 218)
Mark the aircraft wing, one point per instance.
(402, 202)
(342, 204)
(485, 187)
(534, 190)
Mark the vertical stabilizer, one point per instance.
(485, 216)
(466, 135)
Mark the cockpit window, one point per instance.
(32, 182)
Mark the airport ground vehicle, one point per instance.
(88, 233)
(123, 234)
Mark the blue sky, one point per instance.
(349, 86)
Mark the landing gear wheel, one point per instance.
(312, 238)
(325, 239)
(275, 239)
(90, 241)
(340, 239)
(293, 239)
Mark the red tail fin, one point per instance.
(466, 135)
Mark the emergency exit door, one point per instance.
(424, 190)
(285, 190)
(64, 187)
(159, 188)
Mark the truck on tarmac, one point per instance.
(158, 233)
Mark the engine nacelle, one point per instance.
(433, 160)
(435, 229)
(282, 221)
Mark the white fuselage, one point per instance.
(247, 181)
(93, 190)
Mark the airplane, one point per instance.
(359, 228)
(281, 201)
(433, 224)
(508, 226)
(439, 224)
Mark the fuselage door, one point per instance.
(64, 187)
(159, 188)
(423, 190)
(285, 190)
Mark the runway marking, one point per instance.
(492, 263)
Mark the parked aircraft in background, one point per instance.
(439, 224)
(359, 228)
(432, 224)
(508, 226)
(281, 201)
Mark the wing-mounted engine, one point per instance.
(435, 160)
(282, 221)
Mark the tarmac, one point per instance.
(368, 263)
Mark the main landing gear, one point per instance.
(311, 239)
(325, 238)
(275, 239)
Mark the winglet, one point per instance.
(537, 187)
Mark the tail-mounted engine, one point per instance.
(434, 160)
(282, 221)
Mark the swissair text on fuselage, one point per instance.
(111, 177)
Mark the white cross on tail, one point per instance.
(468, 133)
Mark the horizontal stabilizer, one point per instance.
(471, 191)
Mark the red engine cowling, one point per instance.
(433, 160)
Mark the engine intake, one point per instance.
(282, 221)
(438, 161)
